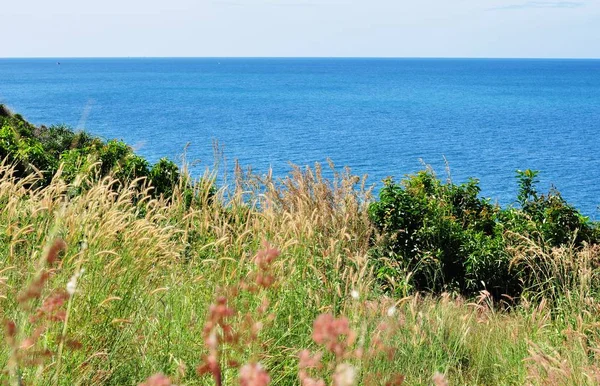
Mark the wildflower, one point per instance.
(263, 259)
(72, 284)
(157, 380)
(382, 334)
(439, 379)
(266, 256)
(211, 366)
(11, 330)
(254, 375)
(355, 295)
(263, 307)
(218, 313)
(345, 375)
(397, 380)
(50, 307)
(265, 280)
(329, 331)
(58, 246)
(34, 291)
(308, 361)
(391, 311)
(307, 381)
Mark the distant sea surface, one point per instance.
(380, 117)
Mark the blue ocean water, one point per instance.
(487, 117)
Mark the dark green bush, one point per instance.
(31, 149)
(73, 162)
(164, 176)
(133, 167)
(25, 153)
(4, 111)
(443, 237)
(550, 216)
(112, 156)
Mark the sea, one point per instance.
(465, 118)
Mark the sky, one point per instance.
(300, 28)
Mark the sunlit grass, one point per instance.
(149, 269)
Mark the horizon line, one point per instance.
(306, 57)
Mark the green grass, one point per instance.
(152, 270)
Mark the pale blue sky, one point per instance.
(380, 28)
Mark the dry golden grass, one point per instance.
(141, 275)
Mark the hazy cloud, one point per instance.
(543, 4)
(293, 4)
(268, 3)
(228, 3)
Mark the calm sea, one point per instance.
(378, 116)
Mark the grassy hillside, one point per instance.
(107, 279)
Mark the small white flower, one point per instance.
(345, 375)
(391, 311)
(355, 295)
(72, 284)
(212, 340)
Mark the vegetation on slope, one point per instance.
(43, 150)
(103, 281)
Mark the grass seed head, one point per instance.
(253, 374)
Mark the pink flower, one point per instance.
(308, 361)
(330, 332)
(307, 381)
(263, 259)
(440, 380)
(266, 256)
(157, 380)
(254, 374)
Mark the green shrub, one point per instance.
(33, 149)
(164, 176)
(5, 111)
(439, 237)
(550, 216)
(443, 237)
(8, 141)
(27, 154)
(73, 162)
(134, 167)
(112, 156)
(59, 139)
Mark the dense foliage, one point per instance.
(44, 149)
(436, 236)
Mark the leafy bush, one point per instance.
(439, 237)
(41, 149)
(4, 111)
(26, 153)
(164, 176)
(550, 216)
(443, 237)
(58, 139)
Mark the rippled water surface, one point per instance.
(378, 116)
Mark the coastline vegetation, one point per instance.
(115, 271)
